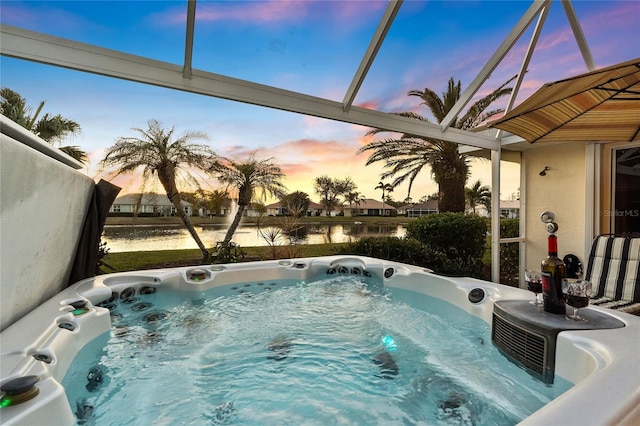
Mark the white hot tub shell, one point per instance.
(602, 364)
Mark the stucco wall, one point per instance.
(561, 191)
(43, 204)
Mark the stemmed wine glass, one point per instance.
(577, 293)
(534, 284)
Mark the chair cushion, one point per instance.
(614, 267)
(620, 305)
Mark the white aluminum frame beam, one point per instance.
(381, 32)
(496, 241)
(188, 43)
(578, 34)
(527, 59)
(493, 62)
(38, 47)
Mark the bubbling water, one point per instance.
(342, 350)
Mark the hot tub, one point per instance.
(602, 364)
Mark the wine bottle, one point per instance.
(553, 271)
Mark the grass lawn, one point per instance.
(135, 260)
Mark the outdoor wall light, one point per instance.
(544, 171)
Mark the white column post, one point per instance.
(495, 215)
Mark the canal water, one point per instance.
(121, 238)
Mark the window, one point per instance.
(116, 208)
(625, 190)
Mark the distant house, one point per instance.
(314, 209)
(153, 204)
(252, 210)
(402, 210)
(370, 207)
(277, 209)
(423, 209)
(509, 209)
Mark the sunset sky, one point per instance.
(312, 47)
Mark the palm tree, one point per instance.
(385, 187)
(405, 157)
(477, 194)
(157, 153)
(53, 129)
(247, 178)
(296, 203)
(353, 197)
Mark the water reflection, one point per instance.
(121, 238)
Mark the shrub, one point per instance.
(460, 238)
(227, 253)
(509, 253)
(404, 250)
(129, 214)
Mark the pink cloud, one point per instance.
(240, 11)
(274, 11)
(354, 10)
(370, 104)
(55, 21)
(254, 12)
(316, 149)
(626, 15)
(365, 139)
(292, 169)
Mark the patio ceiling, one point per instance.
(74, 54)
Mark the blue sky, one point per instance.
(310, 47)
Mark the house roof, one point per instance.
(150, 199)
(509, 204)
(370, 203)
(274, 205)
(504, 204)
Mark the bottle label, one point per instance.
(547, 282)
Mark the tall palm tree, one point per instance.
(51, 128)
(247, 178)
(156, 152)
(353, 197)
(477, 194)
(405, 157)
(386, 187)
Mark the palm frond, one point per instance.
(76, 153)
(432, 101)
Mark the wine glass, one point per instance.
(534, 284)
(577, 293)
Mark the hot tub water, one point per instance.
(340, 350)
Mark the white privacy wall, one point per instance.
(42, 209)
